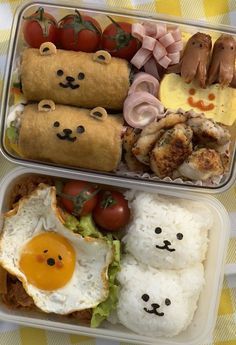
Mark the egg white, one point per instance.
(36, 214)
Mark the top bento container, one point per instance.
(200, 330)
(100, 11)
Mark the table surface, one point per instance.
(215, 11)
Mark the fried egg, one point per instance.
(62, 271)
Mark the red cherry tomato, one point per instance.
(112, 211)
(79, 197)
(40, 27)
(118, 41)
(79, 32)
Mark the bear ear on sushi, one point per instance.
(47, 48)
(98, 113)
(102, 56)
(46, 105)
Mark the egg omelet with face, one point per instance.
(62, 271)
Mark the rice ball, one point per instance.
(166, 233)
(157, 302)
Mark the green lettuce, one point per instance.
(103, 310)
(12, 133)
(86, 227)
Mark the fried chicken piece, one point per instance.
(208, 132)
(202, 164)
(129, 139)
(151, 133)
(171, 150)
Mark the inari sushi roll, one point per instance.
(75, 78)
(78, 137)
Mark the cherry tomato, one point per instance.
(112, 211)
(40, 27)
(79, 197)
(118, 41)
(79, 32)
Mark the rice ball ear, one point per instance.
(165, 234)
(155, 302)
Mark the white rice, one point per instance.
(180, 229)
(175, 294)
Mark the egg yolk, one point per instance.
(48, 261)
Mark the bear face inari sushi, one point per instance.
(89, 139)
(74, 78)
(157, 302)
(165, 234)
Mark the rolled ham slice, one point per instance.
(151, 67)
(159, 51)
(161, 30)
(174, 57)
(158, 42)
(165, 61)
(141, 57)
(142, 108)
(175, 47)
(176, 33)
(167, 40)
(138, 31)
(148, 43)
(144, 82)
(150, 29)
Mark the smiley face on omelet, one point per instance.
(216, 102)
(62, 271)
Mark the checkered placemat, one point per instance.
(217, 11)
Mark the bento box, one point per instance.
(204, 313)
(120, 97)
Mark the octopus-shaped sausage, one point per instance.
(195, 60)
(223, 61)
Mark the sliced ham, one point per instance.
(175, 47)
(165, 61)
(159, 51)
(174, 57)
(150, 29)
(141, 57)
(159, 43)
(151, 67)
(161, 30)
(142, 108)
(148, 43)
(167, 40)
(144, 82)
(138, 31)
(176, 33)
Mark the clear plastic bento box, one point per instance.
(100, 146)
(200, 329)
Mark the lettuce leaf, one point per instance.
(12, 133)
(103, 310)
(86, 227)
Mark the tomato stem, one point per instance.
(44, 22)
(122, 38)
(114, 22)
(108, 200)
(79, 199)
(78, 24)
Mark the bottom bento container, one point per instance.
(203, 323)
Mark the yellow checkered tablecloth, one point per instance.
(217, 11)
